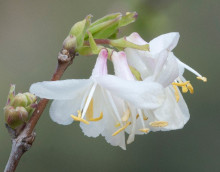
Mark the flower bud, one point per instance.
(79, 30)
(31, 98)
(19, 100)
(19, 107)
(15, 117)
(69, 43)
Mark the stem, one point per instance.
(98, 41)
(22, 141)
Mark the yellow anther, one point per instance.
(159, 124)
(79, 119)
(145, 130)
(184, 89)
(97, 119)
(190, 87)
(180, 84)
(202, 78)
(126, 116)
(118, 124)
(176, 92)
(121, 129)
(144, 117)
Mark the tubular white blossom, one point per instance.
(162, 65)
(98, 102)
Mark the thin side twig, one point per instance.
(23, 138)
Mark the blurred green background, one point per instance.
(31, 35)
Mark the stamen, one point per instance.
(145, 130)
(79, 119)
(176, 93)
(126, 116)
(159, 124)
(98, 118)
(202, 78)
(118, 124)
(190, 87)
(180, 84)
(184, 89)
(121, 129)
(141, 117)
(144, 117)
(89, 113)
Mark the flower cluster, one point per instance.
(142, 96)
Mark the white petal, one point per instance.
(60, 110)
(160, 59)
(176, 114)
(136, 61)
(65, 89)
(95, 128)
(110, 122)
(166, 41)
(143, 94)
(136, 39)
(170, 71)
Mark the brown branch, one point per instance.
(23, 138)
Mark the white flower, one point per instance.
(133, 113)
(165, 68)
(92, 99)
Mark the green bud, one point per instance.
(130, 17)
(94, 47)
(123, 43)
(79, 30)
(19, 100)
(19, 107)
(106, 28)
(11, 94)
(70, 43)
(15, 117)
(105, 18)
(31, 98)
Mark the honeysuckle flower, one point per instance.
(161, 64)
(92, 102)
(133, 117)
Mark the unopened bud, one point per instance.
(19, 107)
(15, 117)
(69, 43)
(31, 98)
(19, 100)
(79, 30)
